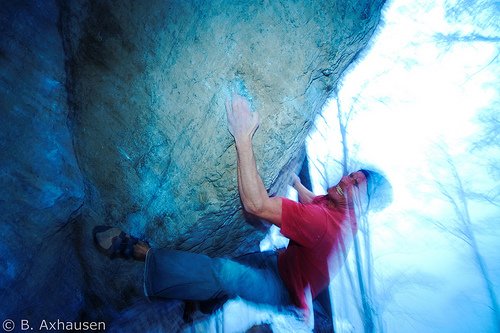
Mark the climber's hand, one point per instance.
(241, 121)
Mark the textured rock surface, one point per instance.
(40, 183)
(149, 82)
(146, 82)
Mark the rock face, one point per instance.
(149, 82)
(146, 83)
(40, 183)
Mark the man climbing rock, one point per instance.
(319, 228)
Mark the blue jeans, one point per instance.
(197, 277)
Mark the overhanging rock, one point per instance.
(148, 81)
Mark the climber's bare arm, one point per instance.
(305, 196)
(242, 124)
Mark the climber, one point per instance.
(319, 228)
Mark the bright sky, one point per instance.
(414, 94)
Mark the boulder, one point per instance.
(113, 113)
(148, 83)
(149, 80)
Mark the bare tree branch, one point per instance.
(456, 37)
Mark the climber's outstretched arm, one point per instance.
(305, 196)
(242, 124)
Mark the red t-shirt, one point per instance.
(320, 234)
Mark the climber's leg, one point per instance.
(190, 276)
(255, 277)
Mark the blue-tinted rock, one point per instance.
(137, 89)
(149, 81)
(40, 182)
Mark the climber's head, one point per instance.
(368, 188)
